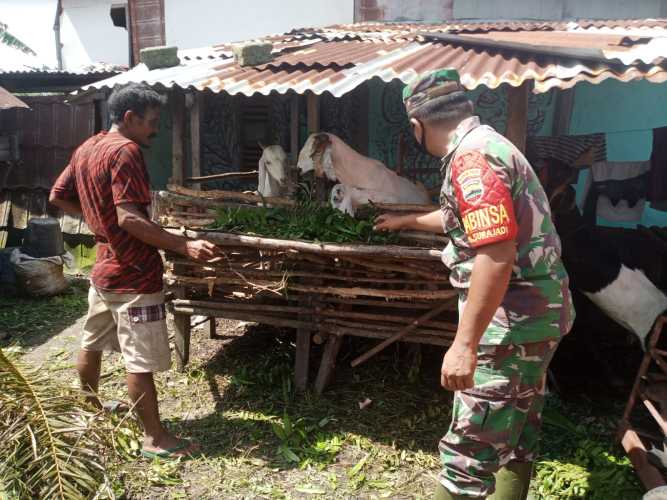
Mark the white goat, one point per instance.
(348, 198)
(272, 171)
(361, 179)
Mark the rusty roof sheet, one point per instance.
(9, 100)
(339, 58)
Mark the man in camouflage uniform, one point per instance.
(514, 305)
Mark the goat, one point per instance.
(362, 178)
(272, 171)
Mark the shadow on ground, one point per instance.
(252, 375)
(28, 322)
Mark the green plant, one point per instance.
(303, 442)
(306, 221)
(6, 38)
(52, 445)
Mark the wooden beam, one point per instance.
(193, 103)
(517, 115)
(177, 112)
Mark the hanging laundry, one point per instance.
(616, 191)
(657, 192)
(568, 148)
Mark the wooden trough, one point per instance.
(324, 291)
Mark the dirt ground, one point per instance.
(262, 439)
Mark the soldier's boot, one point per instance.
(513, 481)
(441, 493)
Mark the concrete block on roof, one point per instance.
(159, 57)
(252, 53)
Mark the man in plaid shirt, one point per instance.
(107, 182)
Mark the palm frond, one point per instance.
(6, 38)
(52, 445)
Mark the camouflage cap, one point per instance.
(431, 85)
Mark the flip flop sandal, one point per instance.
(115, 407)
(169, 452)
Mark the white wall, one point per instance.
(88, 34)
(31, 21)
(198, 23)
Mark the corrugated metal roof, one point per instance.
(337, 59)
(9, 100)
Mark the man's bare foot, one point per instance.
(169, 446)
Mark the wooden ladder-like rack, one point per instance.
(632, 438)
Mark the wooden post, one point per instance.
(177, 113)
(517, 115)
(313, 111)
(193, 104)
(181, 334)
(328, 364)
(302, 362)
(212, 328)
(293, 172)
(294, 128)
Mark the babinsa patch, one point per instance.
(485, 203)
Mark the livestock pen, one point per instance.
(324, 290)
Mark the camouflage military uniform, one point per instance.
(491, 194)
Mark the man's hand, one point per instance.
(203, 251)
(458, 367)
(390, 222)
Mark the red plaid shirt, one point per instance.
(105, 171)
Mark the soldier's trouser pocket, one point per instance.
(498, 420)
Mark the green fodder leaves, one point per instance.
(306, 221)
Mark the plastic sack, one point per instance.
(40, 277)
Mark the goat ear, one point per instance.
(259, 143)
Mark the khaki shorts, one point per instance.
(132, 324)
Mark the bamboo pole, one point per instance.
(337, 330)
(385, 328)
(222, 177)
(242, 316)
(275, 287)
(328, 313)
(216, 195)
(398, 336)
(346, 250)
(300, 274)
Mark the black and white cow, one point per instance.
(623, 272)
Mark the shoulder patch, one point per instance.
(485, 203)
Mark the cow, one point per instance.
(360, 179)
(623, 272)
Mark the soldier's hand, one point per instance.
(389, 222)
(203, 251)
(458, 367)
